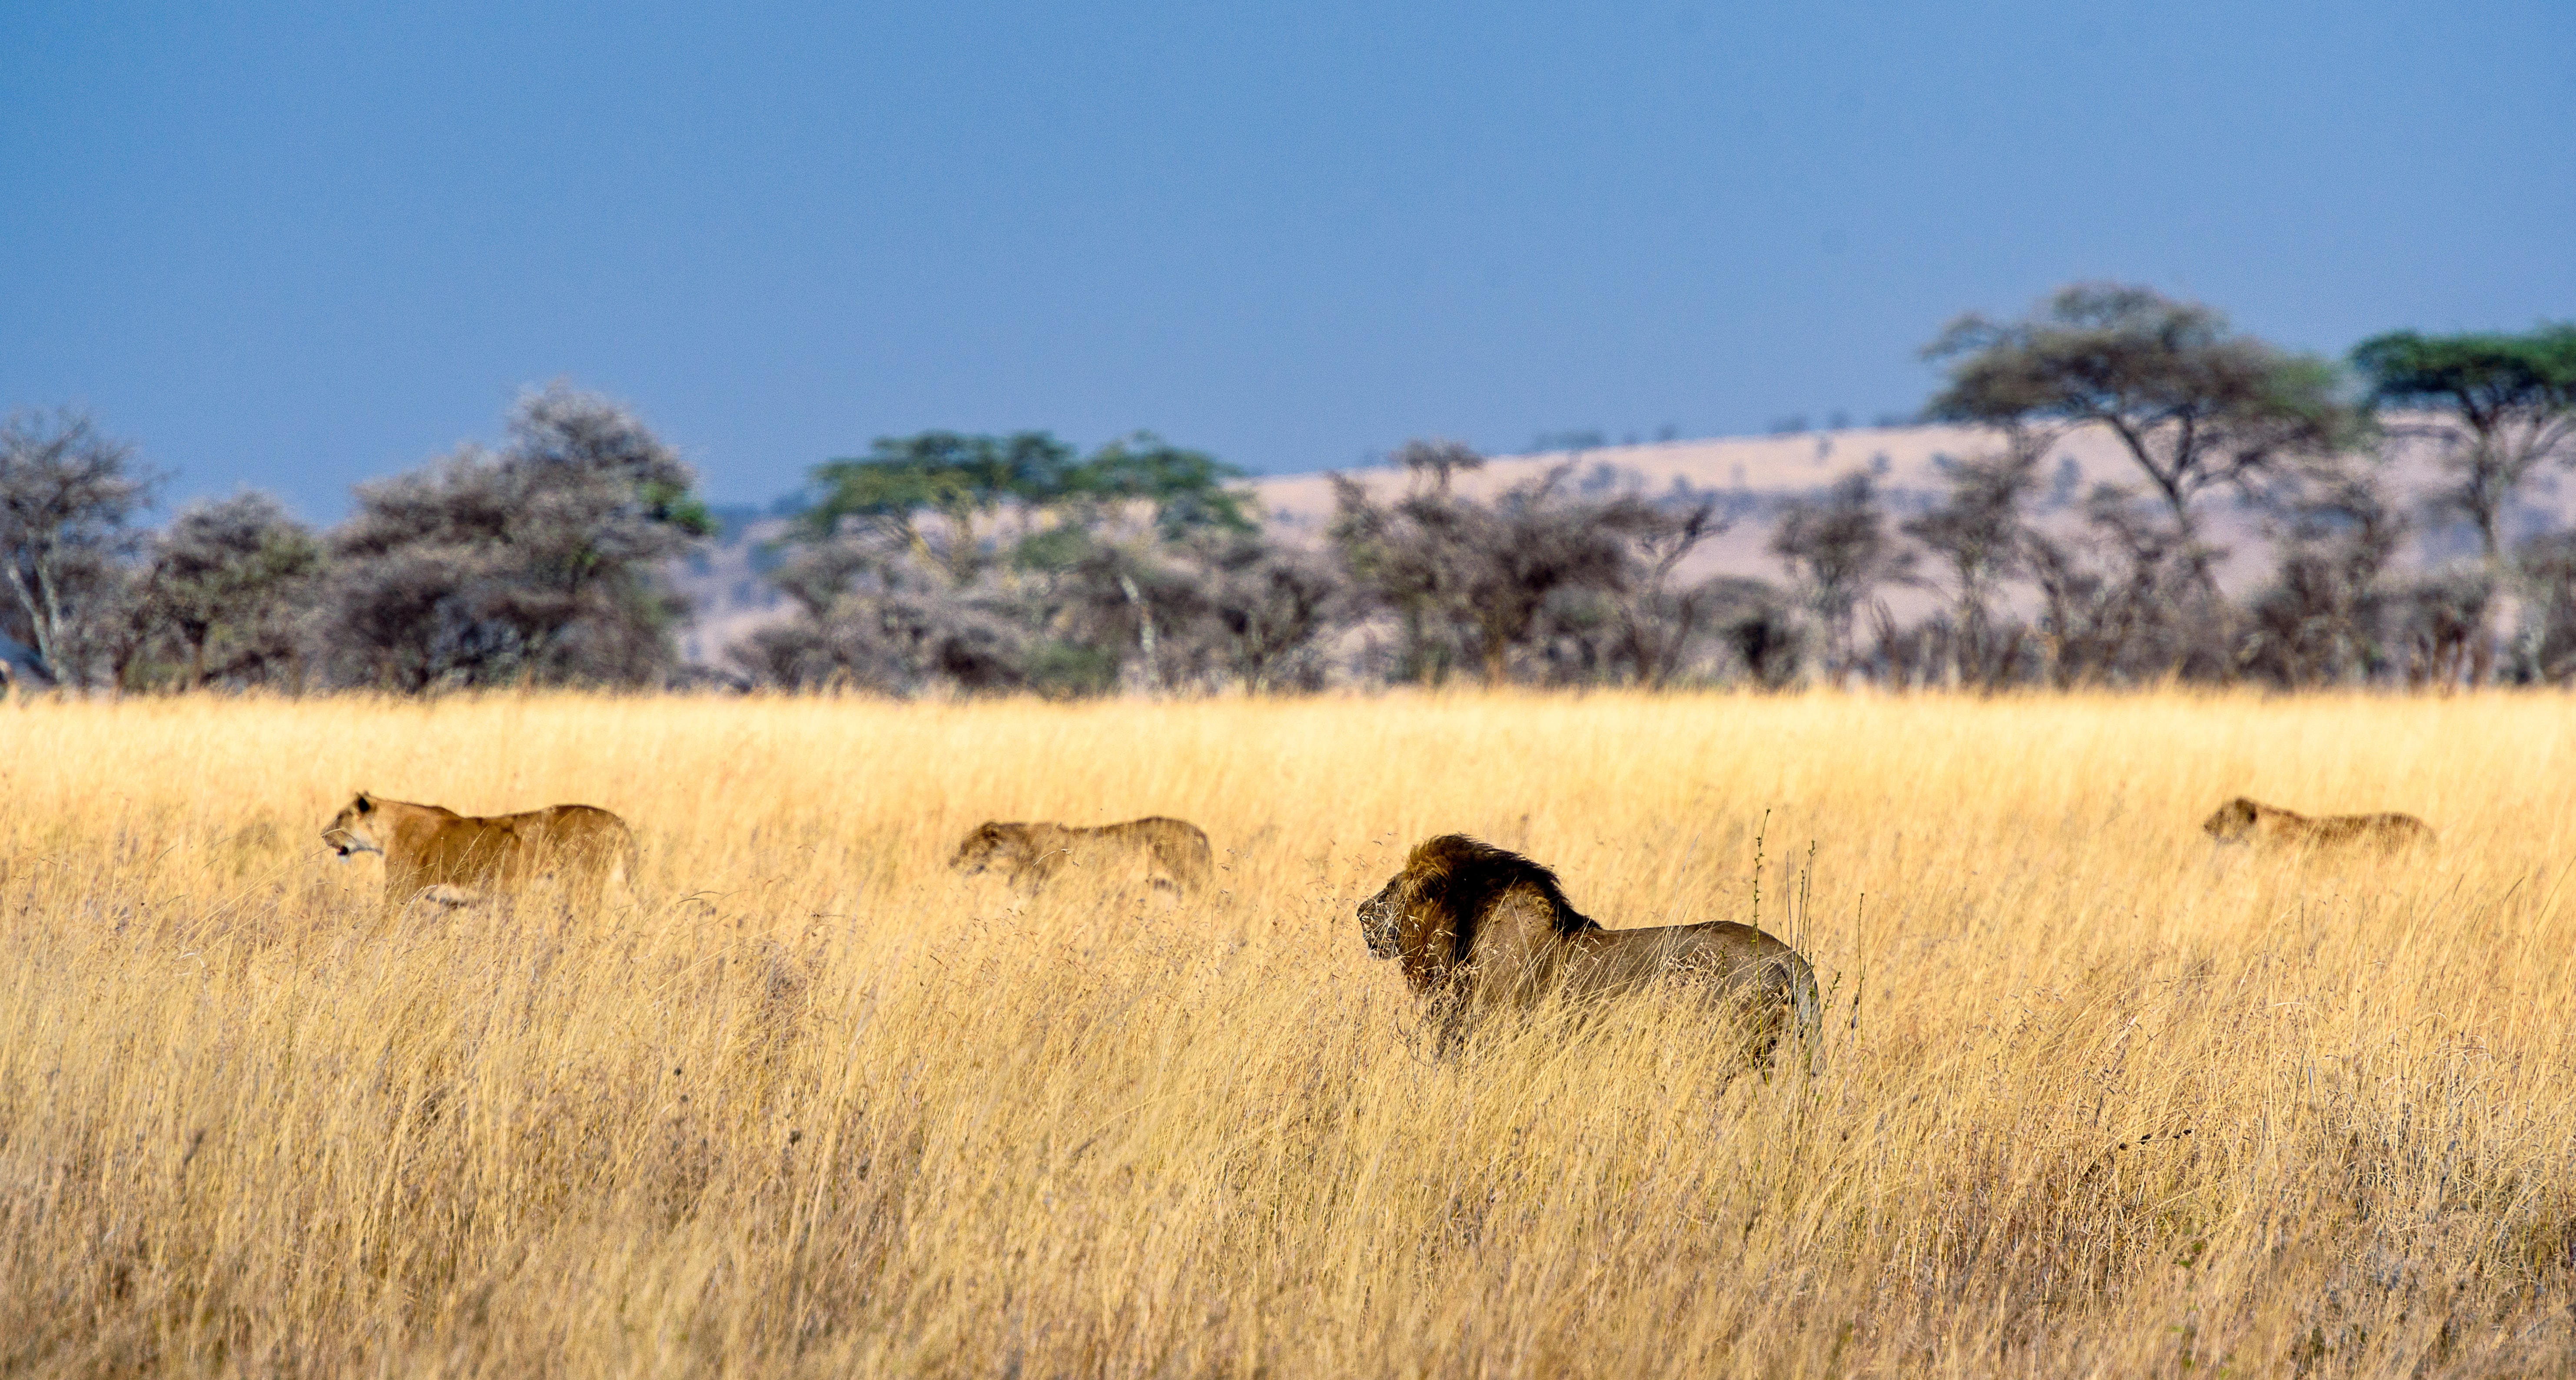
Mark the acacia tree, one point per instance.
(962, 480)
(67, 497)
(2509, 405)
(1005, 560)
(1118, 548)
(2194, 404)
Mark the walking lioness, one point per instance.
(433, 853)
(1160, 852)
(2268, 827)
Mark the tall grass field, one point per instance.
(2095, 1098)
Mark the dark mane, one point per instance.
(1467, 875)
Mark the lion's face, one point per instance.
(1380, 914)
(989, 846)
(352, 831)
(2232, 822)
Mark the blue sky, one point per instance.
(296, 246)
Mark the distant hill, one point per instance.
(1751, 477)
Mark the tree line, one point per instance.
(536, 562)
(945, 562)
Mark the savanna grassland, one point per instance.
(2093, 1100)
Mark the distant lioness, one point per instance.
(2269, 828)
(1478, 929)
(1161, 852)
(435, 854)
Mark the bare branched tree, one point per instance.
(68, 496)
(1840, 548)
(1270, 605)
(902, 639)
(2322, 619)
(2109, 593)
(537, 563)
(230, 582)
(1981, 538)
(2548, 566)
(1475, 575)
(1658, 620)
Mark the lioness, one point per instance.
(2267, 827)
(1478, 929)
(433, 853)
(1162, 852)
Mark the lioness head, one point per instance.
(2233, 821)
(990, 845)
(353, 829)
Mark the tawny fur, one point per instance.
(1478, 930)
(433, 853)
(1156, 851)
(2270, 828)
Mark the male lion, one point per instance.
(1479, 929)
(2266, 827)
(435, 854)
(1163, 852)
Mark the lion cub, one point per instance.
(2270, 828)
(1165, 853)
(435, 854)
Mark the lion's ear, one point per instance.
(365, 806)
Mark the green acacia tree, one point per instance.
(963, 480)
(967, 482)
(2509, 405)
(1185, 491)
(2195, 404)
(1078, 550)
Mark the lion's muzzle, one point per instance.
(1378, 915)
(343, 843)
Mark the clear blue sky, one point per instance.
(295, 246)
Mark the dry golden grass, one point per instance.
(805, 1104)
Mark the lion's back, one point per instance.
(1156, 850)
(581, 843)
(1719, 950)
(584, 839)
(575, 826)
(1180, 846)
(2387, 831)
